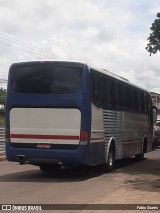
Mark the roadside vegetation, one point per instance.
(2, 106)
(2, 117)
(153, 45)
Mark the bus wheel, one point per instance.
(109, 165)
(49, 168)
(139, 157)
(111, 159)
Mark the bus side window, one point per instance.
(96, 87)
(145, 103)
(129, 95)
(118, 95)
(135, 99)
(108, 90)
(141, 101)
(125, 98)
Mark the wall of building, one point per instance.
(156, 100)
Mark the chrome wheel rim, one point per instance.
(110, 159)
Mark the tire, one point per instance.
(49, 168)
(109, 165)
(110, 159)
(140, 157)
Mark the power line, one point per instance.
(22, 49)
(3, 83)
(18, 42)
(3, 80)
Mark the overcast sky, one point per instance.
(109, 34)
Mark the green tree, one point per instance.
(2, 96)
(154, 39)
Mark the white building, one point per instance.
(156, 101)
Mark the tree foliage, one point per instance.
(154, 39)
(2, 96)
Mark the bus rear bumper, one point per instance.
(48, 156)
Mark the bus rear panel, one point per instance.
(45, 117)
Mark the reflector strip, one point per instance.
(57, 137)
(97, 138)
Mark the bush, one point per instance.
(2, 121)
(2, 117)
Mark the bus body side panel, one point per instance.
(97, 141)
(113, 129)
(128, 130)
(135, 128)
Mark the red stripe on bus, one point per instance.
(58, 137)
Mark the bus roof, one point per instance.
(62, 63)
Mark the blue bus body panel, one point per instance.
(38, 156)
(97, 153)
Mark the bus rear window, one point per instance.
(45, 78)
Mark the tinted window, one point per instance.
(125, 96)
(46, 79)
(116, 94)
(96, 87)
(113, 94)
(107, 84)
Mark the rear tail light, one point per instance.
(7, 135)
(83, 137)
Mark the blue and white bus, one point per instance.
(68, 113)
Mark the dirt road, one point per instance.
(132, 182)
